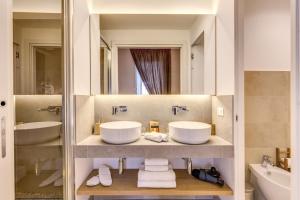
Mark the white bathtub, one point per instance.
(273, 182)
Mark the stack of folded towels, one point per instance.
(156, 173)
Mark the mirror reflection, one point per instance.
(37, 54)
(148, 71)
(157, 54)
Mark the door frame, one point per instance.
(7, 187)
(239, 131)
(32, 61)
(295, 99)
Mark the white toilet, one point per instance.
(249, 192)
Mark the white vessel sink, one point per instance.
(120, 132)
(37, 132)
(190, 132)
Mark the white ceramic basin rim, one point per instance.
(273, 181)
(190, 132)
(37, 125)
(37, 132)
(120, 132)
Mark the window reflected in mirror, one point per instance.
(151, 71)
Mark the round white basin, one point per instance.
(37, 132)
(120, 132)
(190, 132)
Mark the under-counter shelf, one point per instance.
(126, 185)
(94, 147)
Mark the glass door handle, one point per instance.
(3, 137)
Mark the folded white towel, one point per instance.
(156, 161)
(157, 168)
(156, 184)
(156, 176)
(156, 137)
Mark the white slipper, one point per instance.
(59, 182)
(105, 176)
(51, 179)
(93, 181)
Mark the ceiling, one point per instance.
(148, 21)
(154, 6)
(124, 6)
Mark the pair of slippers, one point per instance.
(103, 177)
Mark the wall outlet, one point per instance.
(220, 111)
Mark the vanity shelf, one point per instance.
(126, 185)
(94, 147)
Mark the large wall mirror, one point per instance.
(157, 54)
(37, 53)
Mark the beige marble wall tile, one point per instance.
(263, 109)
(254, 156)
(266, 135)
(267, 109)
(267, 83)
(146, 108)
(27, 106)
(267, 114)
(224, 124)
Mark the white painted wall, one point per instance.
(225, 47)
(95, 54)
(206, 24)
(154, 36)
(81, 48)
(37, 6)
(197, 63)
(267, 35)
(83, 167)
(154, 6)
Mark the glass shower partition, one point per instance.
(38, 90)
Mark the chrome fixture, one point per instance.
(116, 109)
(121, 165)
(266, 160)
(177, 109)
(189, 165)
(3, 137)
(56, 109)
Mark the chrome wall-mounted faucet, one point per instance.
(116, 109)
(266, 160)
(177, 109)
(56, 109)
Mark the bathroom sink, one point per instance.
(37, 132)
(189, 132)
(273, 182)
(120, 132)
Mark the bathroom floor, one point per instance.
(27, 188)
